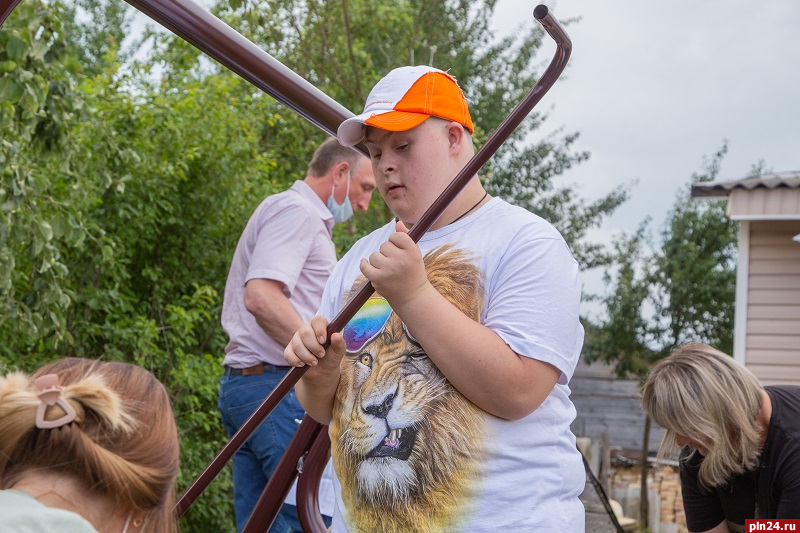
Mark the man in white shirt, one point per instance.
(275, 284)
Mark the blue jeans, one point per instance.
(254, 463)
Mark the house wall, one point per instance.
(772, 338)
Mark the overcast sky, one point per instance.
(652, 87)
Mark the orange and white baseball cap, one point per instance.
(405, 98)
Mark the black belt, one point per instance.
(254, 370)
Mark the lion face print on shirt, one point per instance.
(407, 447)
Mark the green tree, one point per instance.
(621, 339)
(39, 103)
(95, 29)
(122, 201)
(682, 290)
(695, 274)
(176, 172)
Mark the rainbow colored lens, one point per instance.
(367, 323)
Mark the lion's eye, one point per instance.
(417, 354)
(366, 360)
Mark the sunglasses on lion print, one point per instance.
(368, 323)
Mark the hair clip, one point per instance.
(51, 395)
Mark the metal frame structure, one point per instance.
(309, 449)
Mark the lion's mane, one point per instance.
(406, 445)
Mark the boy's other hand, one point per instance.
(306, 346)
(396, 270)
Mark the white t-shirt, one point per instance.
(22, 513)
(413, 454)
(325, 495)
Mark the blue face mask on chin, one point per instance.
(340, 212)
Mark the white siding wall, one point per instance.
(760, 204)
(772, 346)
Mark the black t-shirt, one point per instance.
(770, 491)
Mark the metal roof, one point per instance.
(776, 180)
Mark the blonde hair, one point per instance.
(122, 444)
(701, 393)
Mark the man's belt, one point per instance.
(259, 368)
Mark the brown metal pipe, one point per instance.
(203, 30)
(209, 34)
(230, 448)
(308, 483)
(497, 138)
(271, 500)
(311, 445)
(6, 10)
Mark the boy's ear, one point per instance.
(455, 135)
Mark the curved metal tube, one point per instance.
(6, 10)
(311, 445)
(308, 483)
(273, 495)
(209, 34)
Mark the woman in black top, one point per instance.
(739, 442)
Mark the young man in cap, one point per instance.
(447, 393)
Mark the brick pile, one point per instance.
(664, 495)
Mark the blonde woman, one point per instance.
(86, 446)
(739, 442)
